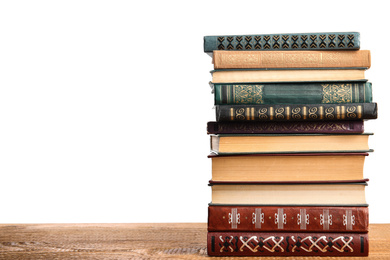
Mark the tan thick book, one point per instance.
(307, 193)
(291, 59)
(288, 167)
(289, 143)
(283, 75)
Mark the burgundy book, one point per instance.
(286, 244)
(286, 127)
(288, 218)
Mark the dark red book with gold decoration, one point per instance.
(288, 218)
(286, 244)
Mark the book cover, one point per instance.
(291, 59)
(287, 75)
(281, 167)
(292, 93)
(287, 218)
(291, 193)
(286, 244)
(286, 127)
(296, 112)
(288, 143)
(284, 41)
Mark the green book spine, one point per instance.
(296, 41)
(293, 93)
(296, 112)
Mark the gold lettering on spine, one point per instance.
(271, 113)
(304, 112)
(342, 112)
(359, 111)
(231, 114)
(338, 112)
(321, 112)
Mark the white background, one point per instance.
(104, 104)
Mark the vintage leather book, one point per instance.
(284, 41)
(291, 59)
(296, 112)
(286, 244)
(292, 93)
(286, 127)
(287, 218)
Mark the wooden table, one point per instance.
(132, 241)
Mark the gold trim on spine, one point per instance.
(252, 113)
(338, 112)
(359, 111)
(231, 114)
(288, 112)
(271, 113)
(248, 113)
(321, 112)
(342, 112)
(304, 112)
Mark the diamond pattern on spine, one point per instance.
(332, 44)
(351, 38)
(257, 39)
(313, 39)
(267, 44)
(248, 45)
(304, 44)
(322, 43)
(276, 44)
(341, 43)
(239, 45)
(230, 46)
(220, 41)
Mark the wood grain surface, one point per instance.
(132, 241)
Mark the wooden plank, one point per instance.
(130, 241)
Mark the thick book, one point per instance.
(289, 193)
(287, 75)
(288, 143)
(287, 167)
(287, 244)
(291, 59)
(292, 93)
(286, 127)
(296, 112)
(283, 41)
(287, 218)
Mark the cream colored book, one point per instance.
(282, 75)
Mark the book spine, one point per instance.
(288, 219)
(286, 244)
(296, 41)
(296, 112)
(291, 59)
(301, 127)
(293, 93)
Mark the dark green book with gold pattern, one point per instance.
(284, 41)
(293, 93)
(296, 112)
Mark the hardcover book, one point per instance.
(291, 59)
(286, 244)
(284, 41)
(287, 219)
(289, 143)
(296, 112)
(305, 193)
(288, 167)
(286, 75)
(286, 127)
(293, 93)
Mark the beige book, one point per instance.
(230, 76)
(292, 59)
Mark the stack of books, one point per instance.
(288, 145)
